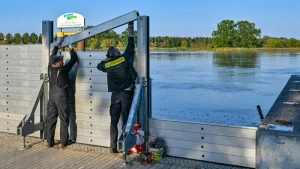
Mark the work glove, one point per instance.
(60, 40)
(130, 29)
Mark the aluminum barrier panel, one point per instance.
(233, 145)
(20, 69)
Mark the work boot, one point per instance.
(49, 145)
(70, 142)
(113, 150)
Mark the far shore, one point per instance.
(218, 49)
(222, 49)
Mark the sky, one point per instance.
(182, 18)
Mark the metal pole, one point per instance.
(47, 38)
(81, 44)
(149, 81)
(47, 31)
(143, 68)
(42, 115)
(142, 44)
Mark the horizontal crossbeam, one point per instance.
(114, 23)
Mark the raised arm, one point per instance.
(129, 51)
(74, 58)
(55, 49)
(101, 66)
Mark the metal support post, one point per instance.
(143, 69)
(47, 31)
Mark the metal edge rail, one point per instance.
(127, 139)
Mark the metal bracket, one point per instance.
(24, 147)
(27, 125)
(127, 139)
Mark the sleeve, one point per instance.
(54, 51)
(101, 67)
(129, 52)
(67, 67)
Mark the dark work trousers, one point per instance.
(120, 104)
(58, 105)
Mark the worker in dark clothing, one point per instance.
(121, 77)
(59, 95)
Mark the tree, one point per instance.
(8, 38)
(184, 44)
(224, 35)
(93, 43)
(241, 34)
(40, 38)
(17, 38)
(246, 34)
(33, 38)
(294, 43)
(1, 36)
(25, 38)
(105, 43)
(120, 45)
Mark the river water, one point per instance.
(218, 88)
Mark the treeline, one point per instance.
(242, 34)
(111, 38)
(180, 42)
(272, 42)
(20, 39)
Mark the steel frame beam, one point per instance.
(111, 24)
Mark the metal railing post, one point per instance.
(47, 32)
(143, 71)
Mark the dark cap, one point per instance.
(55, 59)
(110, 51)
(113, 52)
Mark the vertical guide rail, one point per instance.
(47, 38)
(143, 71)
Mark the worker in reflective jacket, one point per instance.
(121, 77)
(58, 104)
